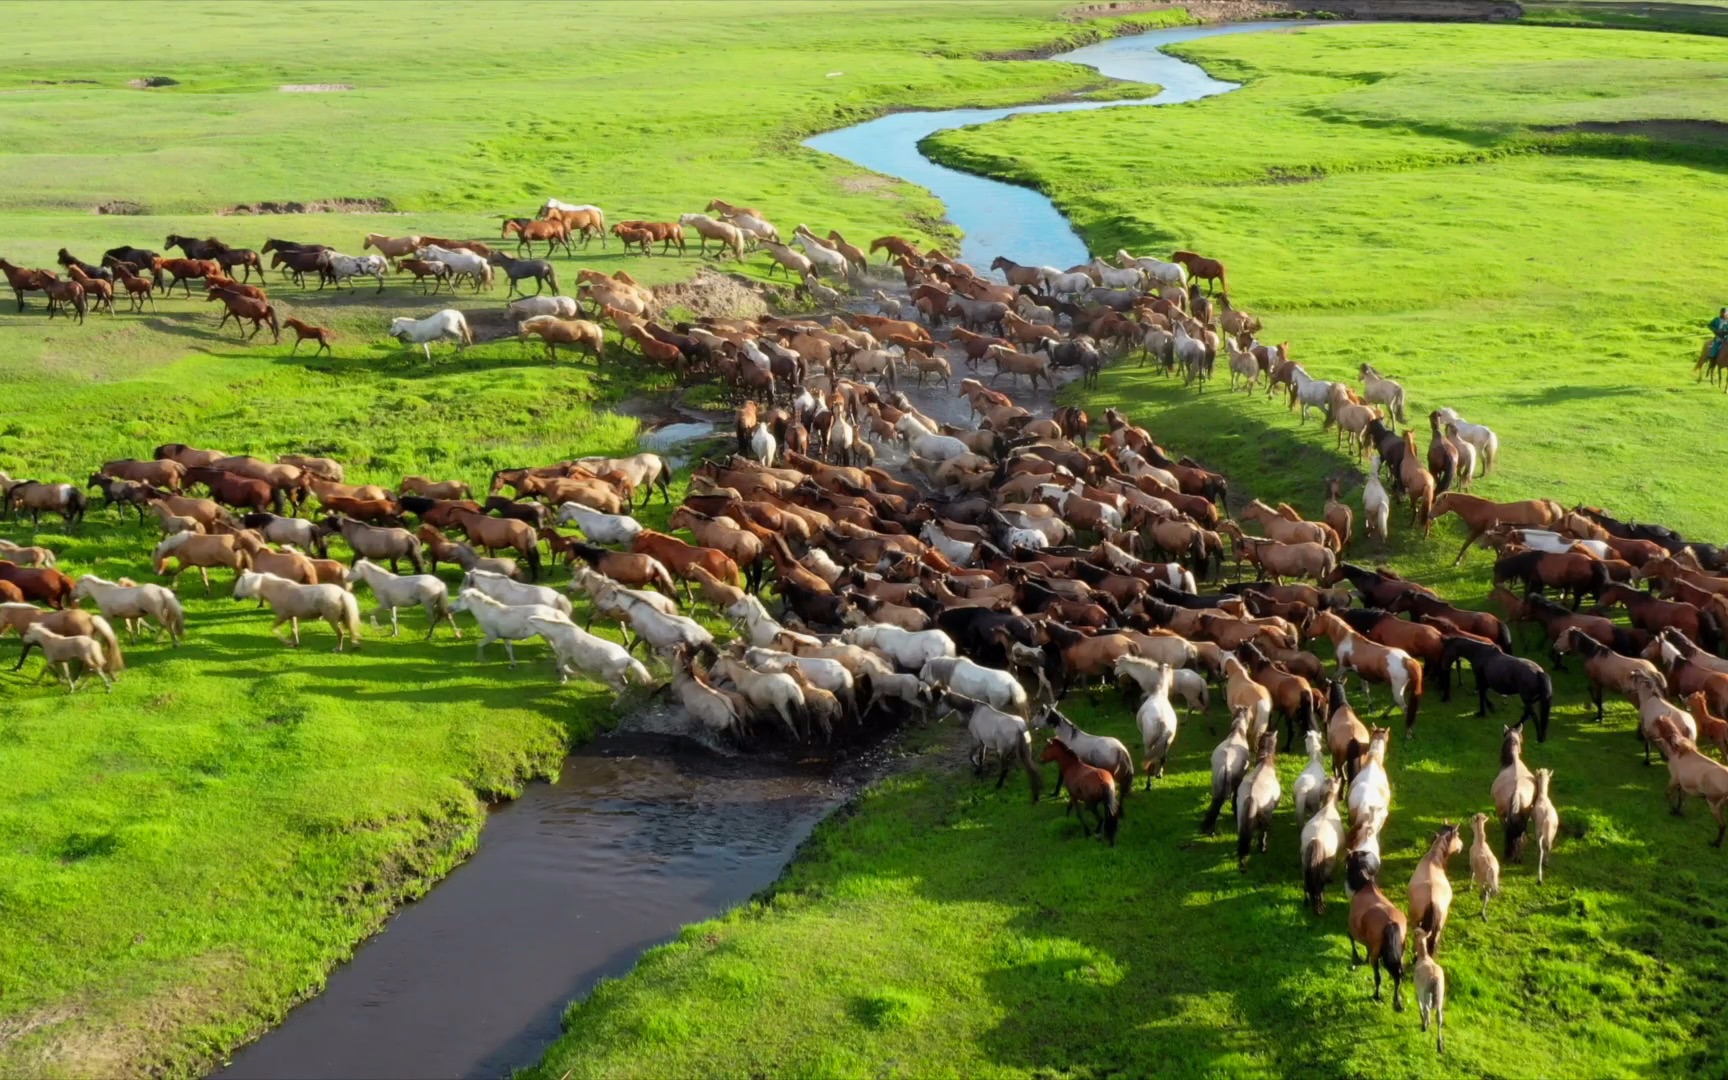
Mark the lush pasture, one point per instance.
(1550, 284)
(185, 858)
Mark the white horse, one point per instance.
(1553, 542)
(1487, 443)
(448, 323)
(665, 634)
(821, 672)
(767, 691)
(958, 552)
(757, 228)
(344, 267)
(292, 602)
(1371, 791)
(1100, 751)
(762, 445)
(995, 688)
(516, 593)
(569, 208)
(1310, 784)
(1060, 283)
(132, 604)
(461, 263)
(1005, 735)
(1164, 273)
(1307, 392)
(393, 591)
(561, 307)
(910, 650)
(761, 627)
(821, 256)
(597, 527)
(1376, 504)
(1156, 719)
(1128, 277)
(576, 651)
(502, 622)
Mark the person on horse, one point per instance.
(1718, 327)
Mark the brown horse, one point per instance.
(304, 331)
(665, 233)
(62, 294)
(1654, 615)
(1376, 923)
(680, 557)
(240, 492)
(138, 288)
(1088, 787)
(43, 584)
(1480, 515)
(493, 533)
(576, 332)
(24, 280)
(101, 292)
(1431, 890)
(247, 307)
(184, 271)
(552, 230)
(1201, 268)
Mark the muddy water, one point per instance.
(1005, 219)
(641, 834)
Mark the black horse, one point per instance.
(141, 260)
(517, 269)
(1503, 674)
(67, 259)
(195, 248)
(1081, 352)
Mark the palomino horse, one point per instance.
(292, 602)
(201, 551)
(555, 332)
(1431, 890)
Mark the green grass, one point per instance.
(1678, 16)
(184, 859)
(1551, 284)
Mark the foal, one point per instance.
(1089, 787)
(303, 330)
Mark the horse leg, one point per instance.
(204, 573)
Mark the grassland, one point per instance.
(183, 860)
(1551, 283)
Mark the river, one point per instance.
(643, 832)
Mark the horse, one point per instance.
(138, 288)
(394, 247)
(1377, 389)
(1100, 750)
(1375, 923)
(23, 280)
(33, 556)
(492, 533)
(1654, 615)
(292, 602)
(238, 307)
(305, 330)
(1430, 890)
(63, 650)
(1374, 662)
(63, 294)
(201, 551)
(1430, 992)
(339, 268)
(427, 268)
(132, 604)
(1479, 515)
(1322, 839)
(1691, 773)
(665, 233)
(1002, 733)
(1229, 766)
(1514, 791)
(1580, 574)
(552, 230)
(1501, 673)
(461, 263)
(378, 543)
(1200, 268)
(730, 237)
(1482, 439)
(33, 495)
(1257, 796)
(448, 323)
(1089, 788)
(100, 290)
(516, 269)
(17, 615)
(503, 622)
(394, 591)
(555, 332)
(184, 271)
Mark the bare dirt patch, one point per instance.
(714, 295)
(317, 206)
(865, 185)
(315, 88)
(150, 82)
(121, 207)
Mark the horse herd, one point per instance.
(958, 585)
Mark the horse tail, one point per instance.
(415, 558)
(1244, 828)
(174, 617)
(533, 557)
(1412, 692)
(1113, 810)
(1392, 951)
(351, 618)
(1314, 875)
(114, 662)
(1489, 450)
(462, 328)
(552, 276)
(1517, 825)
(1209, 823)
(1709, 631)
(1599, 578)
(1023, 750)
(1398, 406)
(1544, 707)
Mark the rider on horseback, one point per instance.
(1719, 327)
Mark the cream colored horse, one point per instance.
(292, 602)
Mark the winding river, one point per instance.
(642, 832)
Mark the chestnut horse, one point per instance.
(1201, 268)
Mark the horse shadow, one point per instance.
(1559, 394)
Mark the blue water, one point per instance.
(1006, 219)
